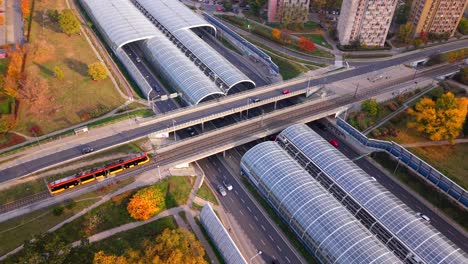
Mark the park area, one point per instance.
(71, 99)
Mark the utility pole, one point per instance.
(355, 92)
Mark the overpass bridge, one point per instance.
(237, 103)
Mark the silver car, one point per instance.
(221, 190)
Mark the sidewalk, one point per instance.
(434, 143)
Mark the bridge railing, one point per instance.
(424, 170)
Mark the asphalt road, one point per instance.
(192, 114)
(133, 52)
(255, 225)
(436, 221)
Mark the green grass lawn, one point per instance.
(15, 231)
(426, 190)
(310, 25)
(119, 243)
(114, 213)
(205, 193)
(4, 65)
(450, 160)
(5, 105)
(76, 93)
(287, 68)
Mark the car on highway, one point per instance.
(86, 150)
(138, 59)
(334, 143)
(424, 217)
(221, 190)
(286, 91)
(227, 185)
(255, 99)
(191, 131)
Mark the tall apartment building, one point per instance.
(366, 20)
(276, 7)
(436, 16)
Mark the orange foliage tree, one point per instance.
(276, 33)
(442, 119)
(306, 44)
(26, 8)
(146, 203)
(102, 258)
(14, 71)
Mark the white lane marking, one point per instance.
(236, 192)
(219, 170)
(278, 248)
(231, 199)
(263, 227)
(249, 209)
(263, 242)
(251, 227)
(208, 165)
(287, 259)
(271, 238)
(256, 219)
(241, 212)
(242, 200)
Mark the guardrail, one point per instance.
(426, 171)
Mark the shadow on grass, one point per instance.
(48, 72)
(77, 66)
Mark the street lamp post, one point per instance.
(173, 126)
(259, 252)
(248, 102)
(159, 173)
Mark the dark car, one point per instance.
(255, 100)
(86, 150)
(191, 131)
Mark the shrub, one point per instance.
(36, 130)
(57, 211)
(392, 106)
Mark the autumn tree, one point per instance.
(34, 90)
(442, 119)
(68, 22)
(26, 8)
(306, 44)
(14, 71)
(2, 20)
(276, 33)
(370, 107)
(424, 36)
(102, 258)
(146, 203)
(58, 72)
(405, 33)
(97, 71)
(174, 246)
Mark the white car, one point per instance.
(227, 185)
(423, 216)
(221, 190)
